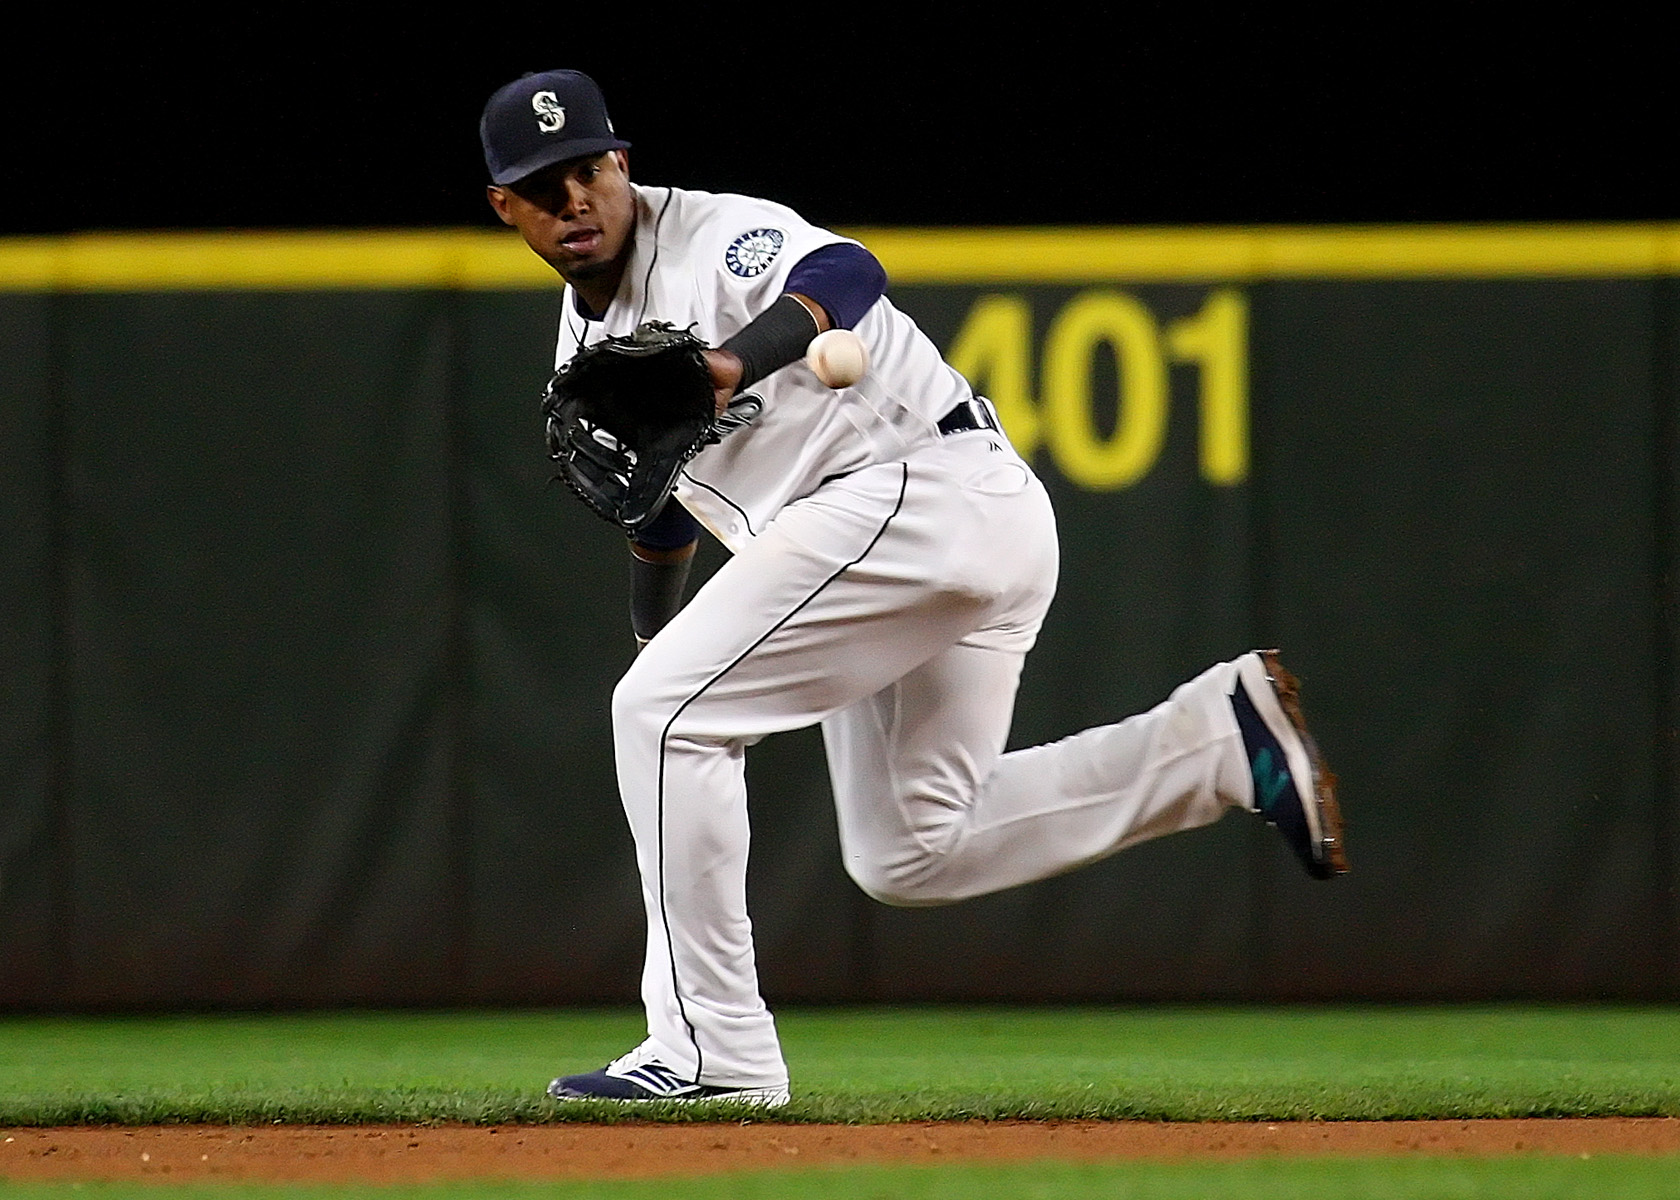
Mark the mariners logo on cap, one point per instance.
(551, 118)
(753, 252)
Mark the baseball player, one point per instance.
(892, 558)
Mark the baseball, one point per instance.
(837, 357)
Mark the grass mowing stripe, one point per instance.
(870, 1065)
(1528, 1178)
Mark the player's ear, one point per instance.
(623, 157)
(499, 201)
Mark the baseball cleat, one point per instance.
(640, 1076)
(1294, 788)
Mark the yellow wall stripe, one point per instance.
(1284, 252)
(475, 259)
(270, 261)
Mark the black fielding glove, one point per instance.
(625, 415)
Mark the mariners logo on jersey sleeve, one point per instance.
(752, 253)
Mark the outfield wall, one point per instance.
(305, 668)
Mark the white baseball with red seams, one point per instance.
(887, 581)
(838, 357)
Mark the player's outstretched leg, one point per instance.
(1294, 789)
(930, 813)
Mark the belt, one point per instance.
(967, 416)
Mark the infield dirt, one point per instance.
(392, 1154)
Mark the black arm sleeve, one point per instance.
(770, 341)
(656, 588)
(656, 593)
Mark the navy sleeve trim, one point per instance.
(672, 529)
(844, 278)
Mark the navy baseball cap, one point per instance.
(541, 119)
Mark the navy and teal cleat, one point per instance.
(1294, 789)
(641, 1076)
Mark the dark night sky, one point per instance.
(1127, 116)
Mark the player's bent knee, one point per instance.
(898, 887)
(635, 705)
(627, 699)
(647, 708)
(917, 865)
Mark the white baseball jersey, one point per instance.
(887, 583)
(715, 262)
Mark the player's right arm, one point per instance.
(831, 287)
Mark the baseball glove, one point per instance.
(626, 414)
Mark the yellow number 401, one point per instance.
(994, 351)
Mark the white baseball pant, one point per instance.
(895, 606)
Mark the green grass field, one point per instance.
(868, 1065)
(877, 1065)
(1325, 1179)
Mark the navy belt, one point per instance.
(967, 416)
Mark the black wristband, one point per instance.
(656, 593)
(777, 336)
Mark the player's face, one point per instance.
(576, 215)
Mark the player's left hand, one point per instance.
(624, 415)
(726, 369)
